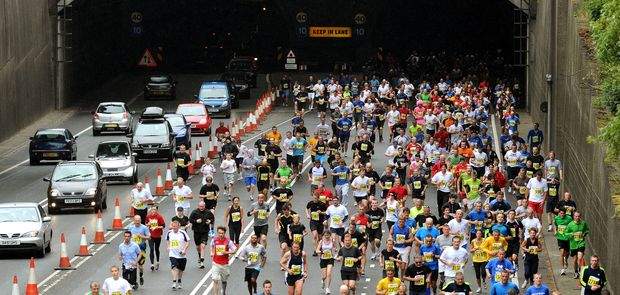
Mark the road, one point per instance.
(24, 183)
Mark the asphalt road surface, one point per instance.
(24, 183)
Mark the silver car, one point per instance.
(25, 226)
(117, 161)
(111, 117)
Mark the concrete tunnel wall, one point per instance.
(26, 63)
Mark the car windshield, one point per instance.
(151, 129)
(191, 110)
(110, 109)
(159, 79)
(108, 150)
(74, 173)
(19, 214)
(50, 135)
(239, 65)
(207, 93)
(175, 121)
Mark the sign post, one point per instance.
(291, 61)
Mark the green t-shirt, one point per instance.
(454, 159)
(474, 186)
(285, 172)
(560, 225)
(415, 129)
(425, 97)
(576, 233)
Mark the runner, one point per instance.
(140, 199)
(182, 161)
(453, 258)
(201, 220)
(255, 255)
(531, 247)
(260, 212)
(115, 284)
(316, 176)
(430, 252)
(480, 259)
(298, 144)
(326, 249)
(350, 257)
(178, 243)
(234, 216)
(282, 221)
(592, 277)
(337, 214)
(181, 194)
(343, 176)
(129, 253)
(156, 225)
(376, 216)
(504, 286)
(264, 175)
(294, 262)
(229, 168)
(209, 193)
(221, 248)
(576, 231)
(181, 218)
(497, 266)
(458, 286)
(388, 285)
(315, 213)
(282, 194)
(140, 235)
(248, 171)
(560, 223)
(403, 238)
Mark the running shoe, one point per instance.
(174, 286)
(563, 272)
(478, 290)
(327, 291)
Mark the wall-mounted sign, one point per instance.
(330, 32)
(136, 17)
(301, 17)
(360, 19)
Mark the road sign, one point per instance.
(290, 61)
(147, 60)
(290, 54)
(290, 66)
(136, 30)
(136, 17)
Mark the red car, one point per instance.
(196, 114)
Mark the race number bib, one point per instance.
(392, 288)
(364, 147)
(533, 250)
(210, 195)
(561, 229)
(236, 216)
(136, 239)
(522, 190)
(349, 262)
(314, 216)
(283, 197)
(297, 238)
(327, 254)
(387, 185)
(296, 269)
(553, 191)
(253, 257)
(337, 220)
(262, 214)
(400, 239)
(593, 281)
(389, 264)
(180, 162)
(578, 236)
(417, 184)
(375, 224)
(175, 244)
(428, 256)
(264, 176)
(220, 249)
(354, 242)
(456, 267)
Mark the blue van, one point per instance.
(216, 97)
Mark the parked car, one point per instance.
(244, 69)
(117, 161)
(111, 116)
(216, 97)
(153, 136)
(25, 226)
(52, 144)
(76, 185)
(239, 84)
(160, 85)
(196, 114)
(181, 127)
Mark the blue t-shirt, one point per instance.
(296, 120)
(495, 266)
(502, 228)
(501, 289)
(342, 172)
(533, 290)
(476, 216)
(129, 253)
(299, 146)
(358, 105)
(423, 232)
(428, 255)
(345, 126)
(142, 230)
(400, 234)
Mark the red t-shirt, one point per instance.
(221, 130)
(218, 246)
(399, 191)
(325, 192)
(361, 219)
(441, 136)
(156, 224)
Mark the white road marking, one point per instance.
(498, 150)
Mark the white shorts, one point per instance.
(229, 178)
(220, 272)
(404, 253)
(342, 190)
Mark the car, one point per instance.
(216, 97)
(25, 226)
(239, 84)
(52, 144)
(243, 69)
(196, 114)
(111, 116)
(181, 127)
(160, 85)
(117, 161)
(76, 185)
(153, 136)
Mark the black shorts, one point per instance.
(513, 248)
(289, 160)
(316, 226)
(283, 238)
(565, 245)
(273, 164)
(323, 263)
(210, 204)
(261, 230)
(262, 185)
(201, 238)
(434, 275)
(251, 273)
(178, 263)
(298, 160)
(573, 252)
(348, 275)
(550, 204)
(374, 234)
(479, 268)
(292, 279)
(338, 231)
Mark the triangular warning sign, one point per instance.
(290, 54)
(147, 60)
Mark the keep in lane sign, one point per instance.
(330, 32)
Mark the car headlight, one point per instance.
(243, 87)
(30, 234)
(91, 191)
(225, 104)
(54, 193)
(134, 145)
(165, 145)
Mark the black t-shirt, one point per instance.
(562, 204)
(182, 158)
(273, 151)
(280, 192)
(453, 287)
(418, 183)
(387, 263)
(296, 229)
(453, 207)
(301, 129)
(333, 146)
(262, 173)
(412, 271)
(203, 226)
(358, 239)
(388, 182)
(421, 218)
(183, 221)
(261, 145)
(316, 206)
(285, 83)
(346, 254)
(321, 149)
(285, 221)
(365, 148)
(374, 218)
(444, 220)
(514, 228)
(401, 162)
(206, 189)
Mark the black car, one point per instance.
(160, 85)
(237, 85)
(153, 136)
(242, 72)
(77, 185)
(52, 144)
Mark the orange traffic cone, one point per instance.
(212, 152)
(31, 286)
(241, 130)
(168, 185)
(190, 165)
(99, 233)
(15, 287)
(117, 222)
(159, 187)
(147, 185)
(64, 263)
(83, 245)
(198, 159)
(131, 211)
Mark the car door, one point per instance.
(71, 141)
(101, 182)
(46, 227)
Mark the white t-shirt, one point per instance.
(361, 182)
(334, 101)
(317, 174)
(459, 229)
(537, 189)
(206, 170)
(443, 181)
(228, 166)
(181, 193)
(336, 215)
(286, 145)
(530, 223)
(392, 117)
(458, 257)
(115, 287)
(430, 121)
(390, 152)
(479, 159)
(177, 242)
(139, 197)
(512, 158)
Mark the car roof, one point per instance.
(211, 84)
(18, 204)
(111, 103)
(114, 141)
(191, 105)
(68, 163)
(52, 129)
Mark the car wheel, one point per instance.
(48, 248)
(96, 132)
(228, 114)
(34, 161)
(104, 204)
(134, 177)
(209, 132)
(52, 211)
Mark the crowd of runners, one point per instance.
(449, 196)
